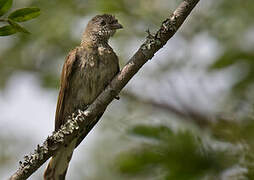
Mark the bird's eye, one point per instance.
(103, 23)
(113, 22)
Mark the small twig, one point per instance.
(202, 120)
(3, 20)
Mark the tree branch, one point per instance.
(85, 120)
(199, 118)
(3, 20)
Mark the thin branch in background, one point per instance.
(197, 117)
(84, 120)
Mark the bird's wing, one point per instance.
(65, 79)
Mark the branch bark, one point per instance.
(84, 120)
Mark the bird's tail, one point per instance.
(58, 165)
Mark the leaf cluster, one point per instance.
(235, 57)
(15, 17)
(168, 155)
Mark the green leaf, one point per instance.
(231, 57)
(5, 5)
(17, 26)
(244, 83)
(137, 161)
(24, 14)
(7, 30)
(155, 132)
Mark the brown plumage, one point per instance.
(86, 72)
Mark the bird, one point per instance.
(86, 72)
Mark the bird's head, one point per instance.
(101, 28)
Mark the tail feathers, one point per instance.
(58, 165)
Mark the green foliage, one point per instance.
(19, 15)
(238, 133)
(233, 57)
(24, 14)
(114, 6)
(5, 5)
(7, 30)
(152, 132)
(17, 27)
(174, 155)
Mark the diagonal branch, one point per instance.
(199, 118)
(84, 120)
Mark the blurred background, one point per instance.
(187, 115)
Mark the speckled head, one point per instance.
(101, 27)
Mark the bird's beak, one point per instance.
(117, 26)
